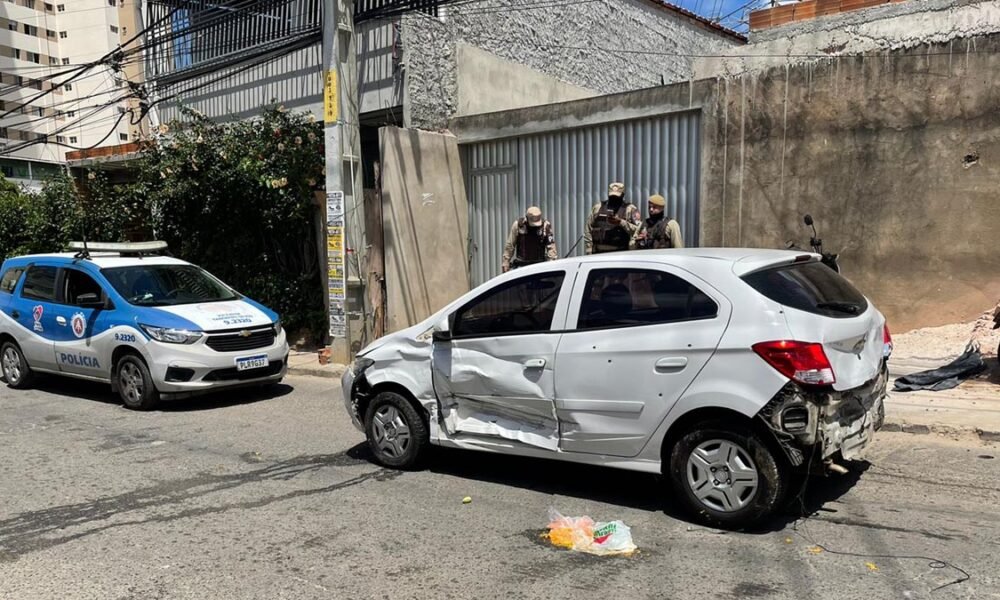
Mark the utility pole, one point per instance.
(343, 188)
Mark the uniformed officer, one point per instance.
(658, 231)
(529, 241)
(611, 223)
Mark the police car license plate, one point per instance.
(252, 362)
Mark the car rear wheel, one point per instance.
(727, 476)
(135, 385)
(14, 367)
(396, 433)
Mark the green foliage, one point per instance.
(235, 198)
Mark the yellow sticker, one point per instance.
(871, 566)
(331, 104)
(335, 243)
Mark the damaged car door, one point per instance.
(493, 369)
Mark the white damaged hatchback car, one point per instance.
(726, 370)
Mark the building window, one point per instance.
(123, 137)
(40, 111)
(65, 61)
(71, 113)
(121, 110)
(111, 2)
(53, 60)
(17, 53)
(62, 35)
(30, 29)
(114, 29)
(12, 25)
(68, 87)
(35, 57)
(72, 139)
(50, 33)
(30, 4)
(49, 7)
(61, 139)
(61, 8)
(3, 132)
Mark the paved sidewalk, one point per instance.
(972, 407)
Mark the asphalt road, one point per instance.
(273, 496)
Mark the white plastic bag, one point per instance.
(582, 534)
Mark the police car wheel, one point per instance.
(396, 433)
(135, 385)
(15, 368)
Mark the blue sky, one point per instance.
(713, 9)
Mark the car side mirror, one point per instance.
(90, 301)
(441, 336)
(808, 220)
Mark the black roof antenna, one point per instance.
(85, 253)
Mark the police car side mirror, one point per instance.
(90, 301)
(441, 336)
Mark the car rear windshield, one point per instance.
(812, 287)
(167, 285)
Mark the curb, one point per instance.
(920, 429)
(328, 372)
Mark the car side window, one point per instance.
(10, 278)
(40, 284)
(525, 305)
(633, 297)
(78, 283)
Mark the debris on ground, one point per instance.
(467, 500)
(969, 364)
(582, 534)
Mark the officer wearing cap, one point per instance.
(529, 241)
(612, 223)
(658, 231)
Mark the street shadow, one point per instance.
(101, 393)
(631, 489)
(192, 496)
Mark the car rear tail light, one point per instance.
(886, 341)
(802, 362)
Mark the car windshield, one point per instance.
(167, 285)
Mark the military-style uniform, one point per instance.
(600, 234)
(527, 244)
(658, 231)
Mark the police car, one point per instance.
(150, 325)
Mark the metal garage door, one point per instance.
(567, 172)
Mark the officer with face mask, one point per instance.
(658, 231)
(529, 241)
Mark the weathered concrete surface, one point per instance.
(487, 83)
(897, 159)
(896, 26)
(425, 218)
(577, 46)
(272, 496)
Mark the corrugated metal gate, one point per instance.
(567, 172)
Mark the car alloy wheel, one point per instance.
(131, 383)
(722, 475)
(392, 434)
(11, 365)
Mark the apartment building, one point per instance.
(44, 114)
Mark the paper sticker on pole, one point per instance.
(331, 108)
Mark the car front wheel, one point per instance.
(727, 476)
(14, 367)
(396, 433)
(135, 385)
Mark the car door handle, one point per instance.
(673, 363)
(535, 363)
(61, 320)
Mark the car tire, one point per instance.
(755, 484)
(135, 384)
(397, 434)
(14, 366)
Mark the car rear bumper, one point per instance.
(813, 425)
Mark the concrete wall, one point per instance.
(896, 156)
(487, 83)
(425, 219)
(578, 47)
(897, 26)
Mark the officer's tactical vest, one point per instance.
(531, 244)
(605, 236)
(657, 235)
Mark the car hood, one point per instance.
(409, 335)
(214, 316)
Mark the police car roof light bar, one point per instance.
(123, 248)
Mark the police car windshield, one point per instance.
(167, 285)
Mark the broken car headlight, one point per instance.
(360, 365)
